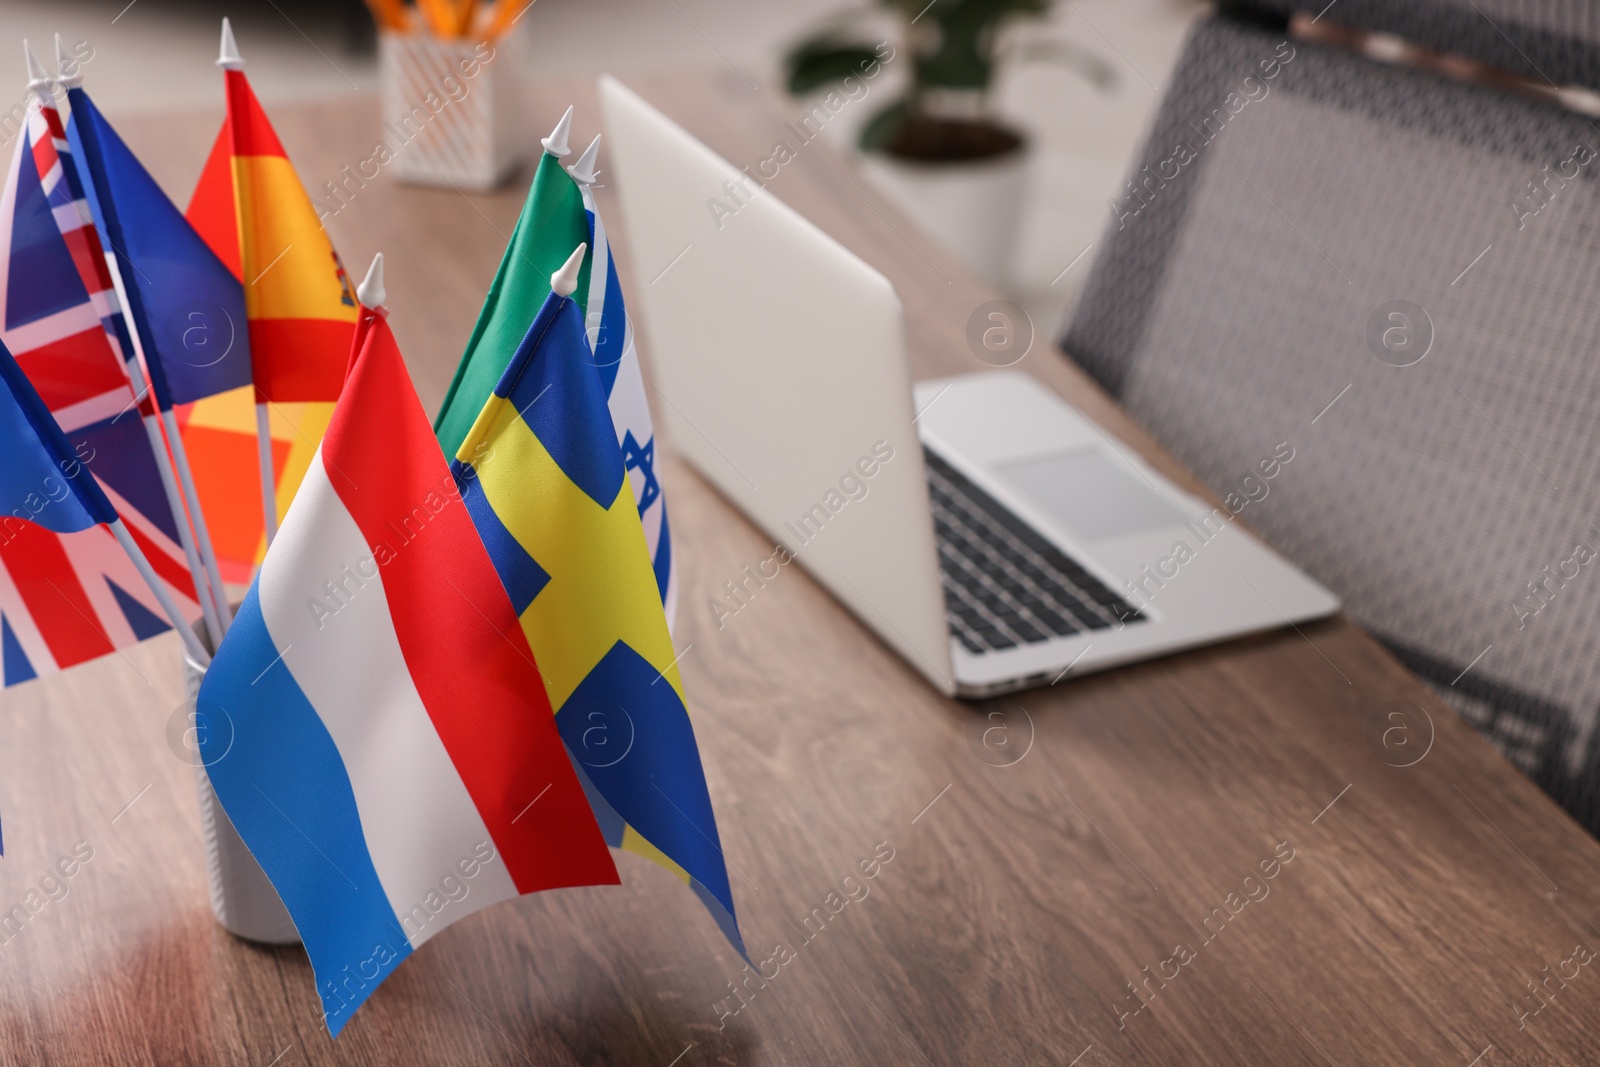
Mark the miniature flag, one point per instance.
(42, 474)
(558, 215)
(542, 476)
(46, 480)
(552, 224)
(192, 304)
(611, 340)
(186, 308)
(252, 211)
(220, 436)
(386, 727)
(43, 478)
(70, 597)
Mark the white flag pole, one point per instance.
(208, 554)
(191, 643)
(196, 545)
(269, 488)
(228, 58)
(158, 445)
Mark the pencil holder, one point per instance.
(450, 111)
(242, 897)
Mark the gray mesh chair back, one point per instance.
(1398, 275)
(1554, 41)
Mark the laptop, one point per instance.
(986, 530)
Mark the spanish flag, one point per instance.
(250, 207)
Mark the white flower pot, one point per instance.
(973, 209)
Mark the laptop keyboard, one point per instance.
(1004, 584)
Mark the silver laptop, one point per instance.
(982, 527)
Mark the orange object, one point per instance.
(439, 15)
(250, 207)
(506, 12)
(220, 435)
(252, 210)
(389, 14)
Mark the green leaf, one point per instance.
(883, 127)
(1072, 56)
(964, 57)
(818, 63)
(955, 66)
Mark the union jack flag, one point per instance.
(67, 598)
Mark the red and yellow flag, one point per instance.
(250, 207)
(253, 211)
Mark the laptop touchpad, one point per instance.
(1090, 493)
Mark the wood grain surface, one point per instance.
(1059, 859)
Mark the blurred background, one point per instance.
(1080, 82)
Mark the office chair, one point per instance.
(1375, 236)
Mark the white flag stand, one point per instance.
(242, 897)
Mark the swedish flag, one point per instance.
(543, 477)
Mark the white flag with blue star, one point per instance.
(611, 339)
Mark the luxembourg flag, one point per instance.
(374, 723)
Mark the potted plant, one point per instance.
(939, 150)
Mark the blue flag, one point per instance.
(191, 305)
(41, 479)
(547, 488)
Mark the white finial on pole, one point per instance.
(584, 170)
(69, 72)
(564, 282)
(556, 143)
(229, 58)
(38, 78)
(371, 292)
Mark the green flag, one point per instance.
(552, 224)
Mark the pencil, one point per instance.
(438, 16)
(450, 16)
(388, 14)
(506, 12)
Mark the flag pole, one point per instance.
(584, 175)
(39, 83)
(169, 485)
(210, 591)
(208, 554)
(191, 643)
(269, 495)
(228, 58)
(165, 435)
(158, 445)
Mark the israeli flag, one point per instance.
(611, 339)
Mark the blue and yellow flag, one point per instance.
(543, 477)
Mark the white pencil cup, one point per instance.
(452, 112)
(242, 897)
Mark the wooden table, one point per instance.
(1048, 850)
